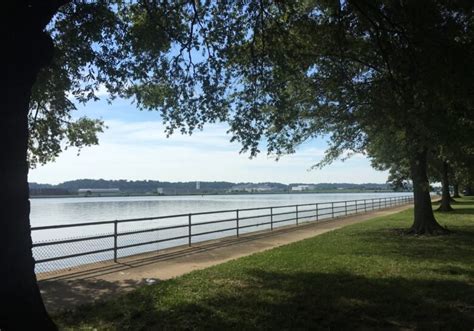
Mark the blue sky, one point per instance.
(134, 147)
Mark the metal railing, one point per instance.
(111, 240)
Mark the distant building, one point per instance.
(300, 188)
(198, 185)
(251, 188)
(263, 188)
(160, 190)
(98, 191)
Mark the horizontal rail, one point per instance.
(67, 241)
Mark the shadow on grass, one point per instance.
(305, 300)
(467, 211)
(455, 247)
(61, 294)
(455, 202)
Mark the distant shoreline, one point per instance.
(211, 194)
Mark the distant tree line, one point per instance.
(151, 186)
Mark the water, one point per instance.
(54, 211)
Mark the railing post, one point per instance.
(296, 214)
(355, 201)
(115, 240)
(317, 212)
(345, 207)
(365, 205)
(332, 209)
(237, 221)
(271, 218)
(189, 230)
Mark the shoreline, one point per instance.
(212, 194)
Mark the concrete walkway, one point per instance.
(105, 280)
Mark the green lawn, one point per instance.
(364, 276)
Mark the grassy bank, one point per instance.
(362, 276)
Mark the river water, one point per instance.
(52, 211)
(55, 211)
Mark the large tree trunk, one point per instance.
(445, 196)
(27, 50)
(424, 220)
(456, 190)
(468, 190)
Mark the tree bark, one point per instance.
(456, 190)
(468, 190)
(445, 196)
(27, 49)
(424, 220)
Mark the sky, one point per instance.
(135, 147)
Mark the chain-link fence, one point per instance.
(62, 247)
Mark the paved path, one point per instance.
(103, 281)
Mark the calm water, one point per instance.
(49, 211)
(54, 211)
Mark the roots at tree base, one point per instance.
(427, 229)
(445, 208)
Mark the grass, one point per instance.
(364, 276)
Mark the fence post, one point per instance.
(237, 219)
(317, 212)
(271, 218)
(345, 207)
(296, 214)
(115, 240)
(365, 205)
(356, 206)
(189, 230)
(332, 209)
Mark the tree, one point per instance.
(379, 77)
(384, 74)
(445, 203)
(456, 151)
(55, 47)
